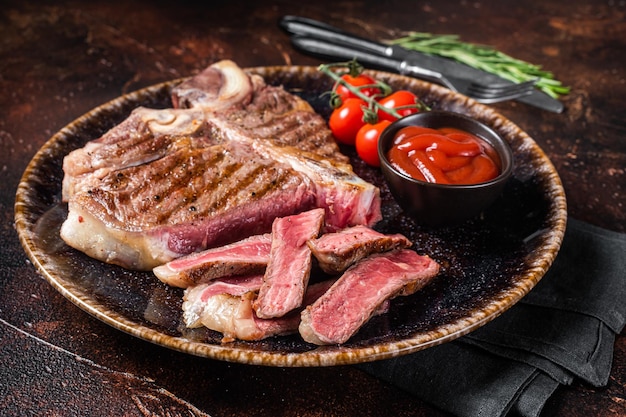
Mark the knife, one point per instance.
(309, 30)
(333, 50)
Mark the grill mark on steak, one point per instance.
(304, 131)
(176, 192)
(153, 196)
(180, 193)
(145, 136)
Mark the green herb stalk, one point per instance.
(484, 58)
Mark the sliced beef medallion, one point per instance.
(227, 308)
(335, 252)
(246, 256)
(359, 292)
(289, 267)
(235, 155)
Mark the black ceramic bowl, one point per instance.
(443, 204)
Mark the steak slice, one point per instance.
(335, 252)
(228, 310)
(167, 183)
(247, 256)
(358, 293)
(289, 268)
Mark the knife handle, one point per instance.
(303, 26)
(335, 51)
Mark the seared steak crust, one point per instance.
(335, 252)
(247, 256)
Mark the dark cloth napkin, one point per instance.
(562, 330)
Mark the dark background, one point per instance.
(59, 59)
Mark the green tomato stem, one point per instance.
(373, 106)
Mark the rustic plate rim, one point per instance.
(322, 356)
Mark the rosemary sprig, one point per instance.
(482, 57)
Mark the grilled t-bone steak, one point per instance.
(289, 267)
(166, 183)
(335, 252)
(358, 293)
(247, 256)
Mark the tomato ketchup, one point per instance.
(443, 156)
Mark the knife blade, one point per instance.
(332, 50)
(297, 25)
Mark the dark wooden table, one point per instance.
(60, 59)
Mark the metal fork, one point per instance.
(492, 93)
(495, 93)
(479, 92)
(488, 94)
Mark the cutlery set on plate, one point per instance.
(329, 42)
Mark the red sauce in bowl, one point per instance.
(443, 156)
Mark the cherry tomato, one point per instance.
(358, 81)
(395, 100)
(346, 120)
(367, 142)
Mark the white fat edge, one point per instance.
(193, 305)
(230, 315)
(307, 332)
(101, 241)
(168, 276)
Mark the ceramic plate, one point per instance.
(488, 263)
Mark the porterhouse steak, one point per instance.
(234, 154)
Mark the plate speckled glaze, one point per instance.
(488, 263)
